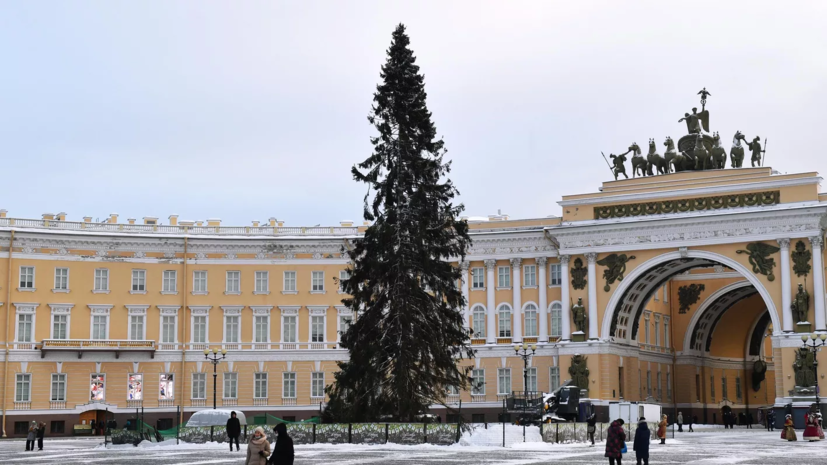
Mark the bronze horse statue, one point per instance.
(736, 153)
(702, 159)
(670, 153)
(655, 160)
(638, 162)
(717, 153)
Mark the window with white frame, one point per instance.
(317, 281)
(136, 327)
(100, 326)
(343, 276)
(26, 277)
(290, 281)
(504, 320)
(531, 379)
(656, 295)
(289, 386)
(530, 312)
(260, 385)
(503, 276)
(666, 331)
(199, 282)
(649, 383)
(477, 278)
(262, 282)
(23, 387)
(289, 328)
(61, 279)
(25, 327)
(233, 285)
(478, 382)
(97, 387)
(230, 385)
(503, 381)
(138, 281)
(317, 384)
(478, 322)
(101, 280)
(262, 328)
(231, 328)
(646, 327)
(665, 293)
(168, 329)
(556, 319)
(135, 386)
(555, 275)
(166, 386)
(554, 378)
(199, 328)
(58, 392)
(199, 385)
(317, 328)
(452, 390)
(530, 276)
(60, 326)
(170, 284)
(657, 330)
(344, 324)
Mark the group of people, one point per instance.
(692, 419)
(36, 431)
(258, 447)
(616, 441)
(813, 430)
(730, 419)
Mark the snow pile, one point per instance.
(493, 435)
(167, 444)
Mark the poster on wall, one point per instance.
(167, 388)
(135, 387)
(98, 387)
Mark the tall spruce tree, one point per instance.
(408, 334)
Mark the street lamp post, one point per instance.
(214, 359)
(814, 342)
(522, 351)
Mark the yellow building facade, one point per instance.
(679, 307)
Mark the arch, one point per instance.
(755, 343)
(631, 279)
(715, 298)
(535, 307)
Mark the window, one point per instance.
(97, 387)
(260, 385)
(262, 282)
(199, 282)
(668, 386)
(23, 387)
(101, 280)
(199, 328)
(289, 281)
(61, 279)
(665, 332)
(660, 387)
(503, 277)
(712, 387)
(554, 378)
(167, 386)
(665, 294)
(556, 319)
(646, 327)
(478, 382)
(479, 322)
(640, 384)
(621, 381)
(738, 394)
(555, 275)
(288, 328)
(230, 385)
(136, 328)
(724, 390)
(57, 427)
(531, 378)
(648, 383)
(135, 387)
(289, 386)
(530, 276)
(168, 329)
(60, 326)
(21, 427)
(343, 275)
(138, 281)
(344, 324)
(317, 328)
(317, 384)
(504, 321)
(233, 282)
(503, 381)
(530, 320)
(199, 385)
(657, 330)
(477, 278)
(26, 277)
(452, 391)
(170, 282)
(99, 326)
(655, 296)
(317, 281)
(25, 323)
(262, 328)
(231, 328)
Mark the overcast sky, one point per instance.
(247, 110)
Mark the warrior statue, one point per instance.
(655, 160)
(579, 315)
(579, 371)
(717, 153)
(736, 153)
(755, 148)
(696, 120)
(801, 304)
(619, 167)
(803, 368)
(704, 94)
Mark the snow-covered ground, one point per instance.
(706, 446)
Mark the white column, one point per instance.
(490, 288)
(565, 298)
(542, 312)
(464, 287)
(818, 281)
(516, 268)
(592, 257)
(786, 298)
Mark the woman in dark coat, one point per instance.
(641, 446)
(615, 440)
(283, 452)
(41, 431)
(233, 430)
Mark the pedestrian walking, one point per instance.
(31, 435)
(820, 426)
(641, 444)
(680, 422)
(41, 431)
(283, 451)
(692, 419)
(615, 441)
(591, 426)
(662, 429)
(258, 449)
(771, 421)
(811, 427)
(789, 429)
(233, 430)
(749, 420)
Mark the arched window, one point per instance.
(556, 319)
(504, 312)
(478, 322)
(530, 311)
